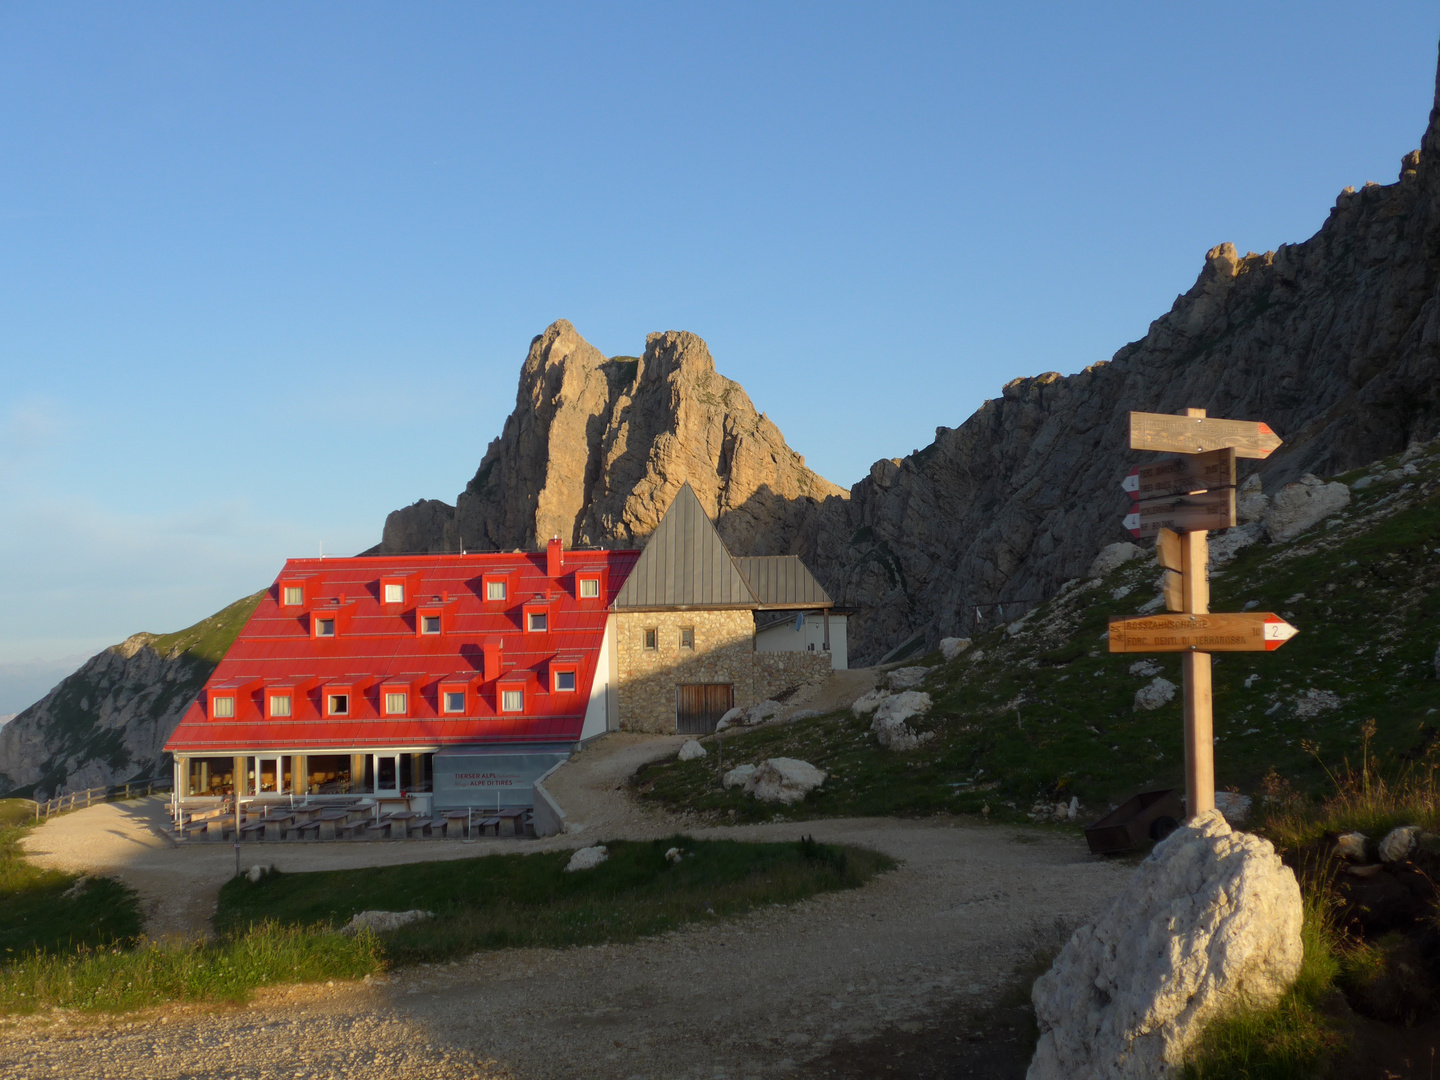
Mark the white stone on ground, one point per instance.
(1314, 702)
(587, 858)
(784, 780)
(738, 776)
(1224, 546)
(381, 921)
(952, 647)
(1155, 693)
(256, 872)
(1235, 807)
(1399, 844)
(867, 703)
(673, 855)
(1210, 919)
(732, 716)
(691, 750)
(1145, 668)
(762, 711)
(1351, 845)
(889, 723)
(1300, 505)
(1113, 556)
(906, 677)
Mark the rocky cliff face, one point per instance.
(1334, 342)
(596, 448)
(108, 722)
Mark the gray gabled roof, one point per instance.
(685, 564)
(782, 581)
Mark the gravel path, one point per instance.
(756, 996)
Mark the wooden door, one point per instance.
(699, 706)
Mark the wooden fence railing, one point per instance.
(78, 800)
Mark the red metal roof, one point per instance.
(377, 642)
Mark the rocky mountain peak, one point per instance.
(597, 447)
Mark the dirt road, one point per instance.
(753, 997)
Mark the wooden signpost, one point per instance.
(1178, 501)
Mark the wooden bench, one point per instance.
(514, 819)
(254, 829)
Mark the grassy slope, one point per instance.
(1043, 711)
(68, 713)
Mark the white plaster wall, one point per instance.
(597, 712)
(785, 638)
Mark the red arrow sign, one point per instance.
(1253, 631)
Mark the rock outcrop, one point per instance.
(108, 722)
(597, 447)
(1210, 922)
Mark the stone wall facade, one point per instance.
(724, 652)
(777, 671)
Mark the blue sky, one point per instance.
(268, 272)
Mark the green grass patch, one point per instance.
(119, 979)
(16, 812)
(51, 912)
(502, 901)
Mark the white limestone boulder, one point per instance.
(890, 723)
(691, 751)
(587, 858)
(762, 711)
(1300, 505)
(1251, 502)
(1157, 692)
(906, 678)
(784, 780)
(381, 921)
(952, 647)
(738, 776)
(1112, 557)
(1314, 702)
(1399, 844)
(1233, 805)
(1146, 668)
(1210, 921)
(868, 703)
(1351, 845)
(732, 717)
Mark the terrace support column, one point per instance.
(239, 777)
(300, 774)
(357, 771)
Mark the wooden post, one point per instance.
(1195, 671)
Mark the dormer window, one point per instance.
(292, 596)
(454, 701)
(538, 621)
(512, 700)
(430, 624)
(279, 705)
(564, 682)
(589, 588)
(394, 593)
(395, 703)
(224, 708)
(324, 627)
(337, 704)
(494, 590)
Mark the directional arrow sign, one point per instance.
(1175, 476)
(1183, 513)
(1197, 434)
(1251, 631)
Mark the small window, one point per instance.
(495, 590)
(564, 680)
(687, 637)
(224, 706)
(394, 594)
(325, 628)
(589, 588)
(455, 701)
(512, 700)
(651, 637)
(537, 621)
(280, 705)
(430, 624)
(395, 704)
(294, 596)
(339, 704)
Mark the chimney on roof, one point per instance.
(493, 651)
(554, 557)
